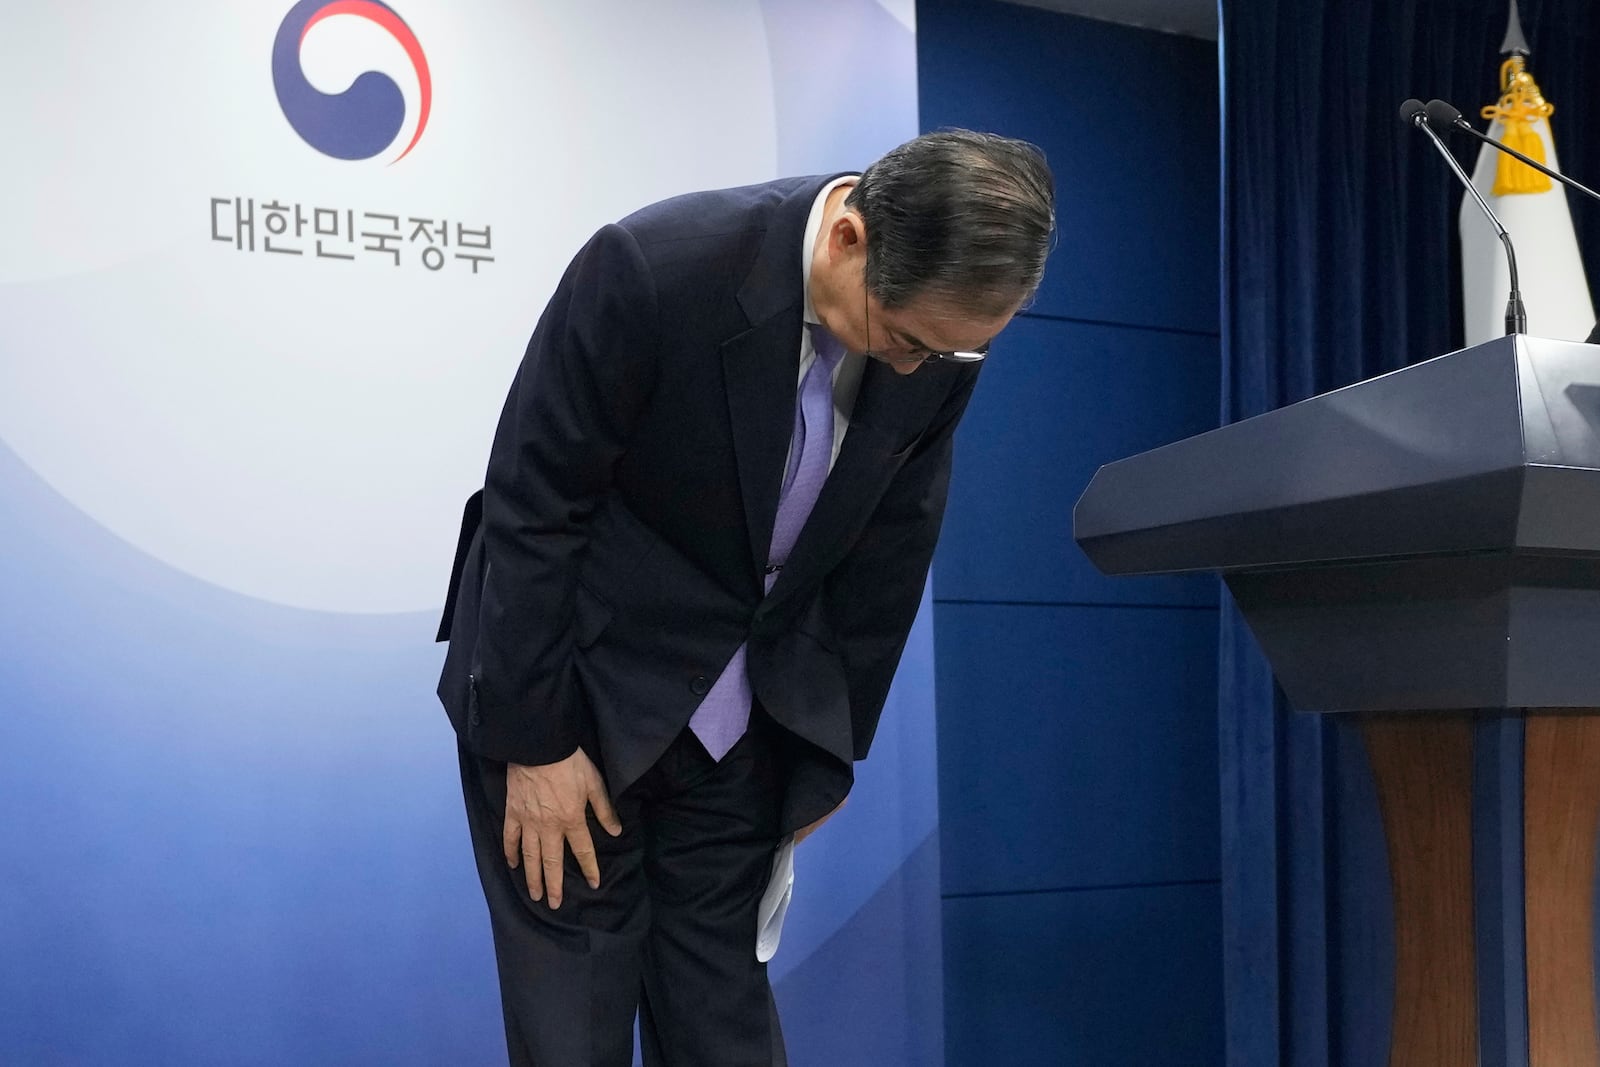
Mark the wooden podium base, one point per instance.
(1423, 767)
(1561, 816)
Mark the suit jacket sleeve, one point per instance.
(585, 377)
(874, 592)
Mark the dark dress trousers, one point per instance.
(610, 568)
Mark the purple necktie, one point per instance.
(723, 715)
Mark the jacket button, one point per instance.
(476, 719)
(699, 685)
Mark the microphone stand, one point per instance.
(1516, 314)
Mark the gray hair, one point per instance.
(963, 217)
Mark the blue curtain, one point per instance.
(1340, 262)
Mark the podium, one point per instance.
(1419, 550)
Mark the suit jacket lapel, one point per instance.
(761, 366)
(889, 411)
(761, 398)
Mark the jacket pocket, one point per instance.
(813, 624)
(901, 453)
(591, 615)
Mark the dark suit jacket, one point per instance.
(629, 502)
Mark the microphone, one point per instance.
(1443, 115)
(1414, 113)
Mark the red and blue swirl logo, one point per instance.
(366, 118)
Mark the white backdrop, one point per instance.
(260, 420)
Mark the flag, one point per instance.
(1533, 209)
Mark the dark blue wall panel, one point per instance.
(1057, 400)
(1106, 978)
(1077, 746)
(1128, 119)
(1078, 783)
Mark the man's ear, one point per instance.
(847, 235)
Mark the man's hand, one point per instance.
(545, 812)
(806, 831)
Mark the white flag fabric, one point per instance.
(1554, 288)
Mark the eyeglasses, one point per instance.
(926, 355)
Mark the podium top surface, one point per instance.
(1491, 448)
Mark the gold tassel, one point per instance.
(1513, 175)
(1521, 105)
